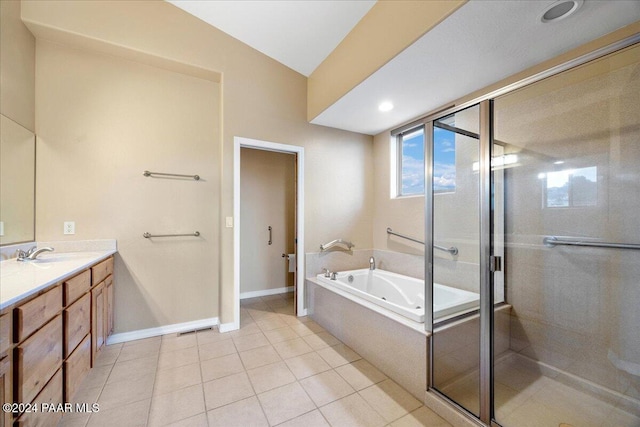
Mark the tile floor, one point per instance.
(526, 398)
(277, 370)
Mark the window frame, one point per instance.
(396, 161)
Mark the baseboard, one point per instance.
(266, 292)
(228, 327)
(162, 330)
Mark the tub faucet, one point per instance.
(372, 263)
(31, 254)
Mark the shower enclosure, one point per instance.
(539, 187)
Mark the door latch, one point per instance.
(495, 263)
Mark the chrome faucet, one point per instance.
(31, 254)
(372, 263)
(327, 273)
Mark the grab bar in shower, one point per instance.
(177, 175)
(552, 241)
(336, 242)
(452, 250)
(149, 235)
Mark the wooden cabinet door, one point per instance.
(6, 387)
(98, 307)
(109, 307)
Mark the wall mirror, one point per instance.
(17, 183)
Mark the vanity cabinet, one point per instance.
(49, 341)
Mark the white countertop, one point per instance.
(21, 279)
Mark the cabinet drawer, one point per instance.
(101, 270)
(76, 286)
(38, 311)
(51, 395)
(76, 368)
(5, 333)
(38, 358)
(77, 322)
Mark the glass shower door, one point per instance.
(572, 262)
(454, 184)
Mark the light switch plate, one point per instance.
(1, 228)
(228, 222)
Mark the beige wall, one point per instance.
(262, 99)
(267, 189)
(404, 215)
(101, 122)
(17, 66)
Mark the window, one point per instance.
(571, 187)
(410, 164)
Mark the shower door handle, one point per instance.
(270, 237)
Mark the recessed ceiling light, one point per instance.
(385, 106)
(560, 9)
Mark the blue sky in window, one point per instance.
(413, 163)
(444, 179)
(444, 160)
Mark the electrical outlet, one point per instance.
(69, 227)
(228, 222)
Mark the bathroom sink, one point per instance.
(53, 257)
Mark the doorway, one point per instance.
(267, 222)
(298, 249)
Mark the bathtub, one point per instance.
(401, 294)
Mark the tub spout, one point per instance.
(372, 263)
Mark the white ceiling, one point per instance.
(481, 43)
(298, 33)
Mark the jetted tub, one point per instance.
(401, 294)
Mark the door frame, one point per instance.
(238, 143)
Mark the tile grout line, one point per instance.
(204, 399)
(154, 385)
(105, 383)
